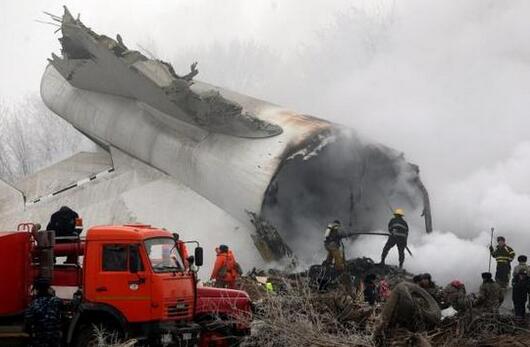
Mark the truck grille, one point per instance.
(178, 309)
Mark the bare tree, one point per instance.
(32, 137)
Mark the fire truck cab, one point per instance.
(133, 281)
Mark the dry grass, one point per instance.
(300, 317)
(109, 339)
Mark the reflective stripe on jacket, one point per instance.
(398, 227)
(503, 254)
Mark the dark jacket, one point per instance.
(521, 289)
(43, 321)
(398, 227)
(370, 293)
(63, 222)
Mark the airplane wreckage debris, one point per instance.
(88, 58)
(267, 240)
(294, 172)
(298, 311)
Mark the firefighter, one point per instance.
(63, 222)
(399, 231)
(520, 292)
(504, 255)
(226, 270)
(43, 316)
(490, 295)
(333, 244)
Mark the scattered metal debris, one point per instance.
(268, 241)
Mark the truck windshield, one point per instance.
(163, 255)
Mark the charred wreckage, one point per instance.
(282, 174)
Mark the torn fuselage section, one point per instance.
(101, 64)
(337, 175)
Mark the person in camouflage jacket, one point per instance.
(43, 317)
(491, 295)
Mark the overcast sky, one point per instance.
(26, 44)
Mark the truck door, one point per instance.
(122, 281)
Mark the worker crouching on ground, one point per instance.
(430, 287)
(504, 255)
(399, 231)
(521, 288)
(226, 270)
(490, 296)
(456, 296)
(43, 316)
(333, 244)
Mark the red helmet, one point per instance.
(457, 284)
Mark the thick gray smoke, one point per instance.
(342, 176)
(446, 82)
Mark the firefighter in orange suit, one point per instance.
(226, 270)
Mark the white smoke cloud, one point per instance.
(442, 254)
(496, 196)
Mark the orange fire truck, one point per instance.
(135, 281)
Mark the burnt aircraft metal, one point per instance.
(101, 64)
(294, 172)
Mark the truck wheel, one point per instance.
(411, 305)
(91, 336)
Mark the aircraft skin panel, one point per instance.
(83, 165)
(10, 198)
(137, 193)
(230, 171)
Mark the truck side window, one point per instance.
(115, 258)
(135, 261)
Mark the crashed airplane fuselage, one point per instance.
(246, 156)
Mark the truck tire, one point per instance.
(411, 305)
(427, 306)
(86, 336)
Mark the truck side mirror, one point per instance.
(198, 256)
